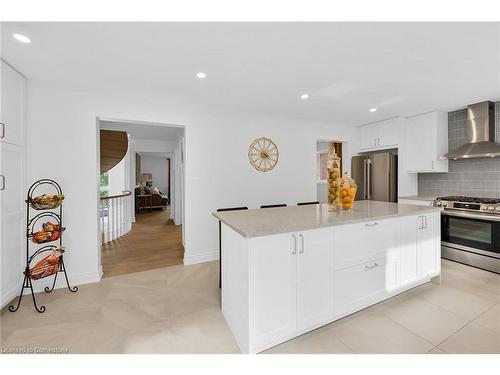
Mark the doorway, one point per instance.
(141, 189)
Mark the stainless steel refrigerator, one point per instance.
(376, 176)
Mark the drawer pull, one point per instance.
(302, 242)
(2, 131)
(373, 266)
(371, 224)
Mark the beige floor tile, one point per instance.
(473, 339)
(375, 334)
(204, 332)
(436, 350)
(490, 319)
(465, 304)
(472, 280)
(176, 310)
(320, 341)
(429, 321)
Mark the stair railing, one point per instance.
(115, 216)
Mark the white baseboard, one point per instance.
(39, 285)
(201, 258)
(9, 295)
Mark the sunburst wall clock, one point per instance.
(263, 154)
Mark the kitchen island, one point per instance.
(289, 270)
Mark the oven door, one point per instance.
(471, 231)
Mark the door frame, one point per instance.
(98, 174)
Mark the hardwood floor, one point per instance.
(154, 242)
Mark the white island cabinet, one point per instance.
(286, 271)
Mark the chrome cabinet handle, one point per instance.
(371, 224)
(302, 243)
(373, 266)
(2, 179)
(423, 222)
(2, 130)
(294, 251)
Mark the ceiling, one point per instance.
(145, 131)
(346, 68)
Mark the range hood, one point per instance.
(480, 134)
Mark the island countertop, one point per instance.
(263, 222)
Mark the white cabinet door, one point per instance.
(429, 245)
(408, 245)
(380, 135)
(11, 220)
(426, 141)
(12, 106)
(368, 137)
(388, 133)
(419, 155)
(273, 288)
(314, 277)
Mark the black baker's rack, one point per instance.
(30, 230)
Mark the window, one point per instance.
(104, 185)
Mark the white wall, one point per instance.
(158, 167)
(217, 170)
(152, 145)
(116, 177)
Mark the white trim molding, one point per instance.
(209, 256)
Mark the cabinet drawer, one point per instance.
(358, 286)
(361, 242)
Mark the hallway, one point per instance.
(154, 242)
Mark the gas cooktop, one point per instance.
(486, 205)
(458, 198)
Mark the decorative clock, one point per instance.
(263, 154)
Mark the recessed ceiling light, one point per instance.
(22, 38)
(201, 75)
(373, 109)
(304, 96)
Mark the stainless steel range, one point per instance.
(470, 231)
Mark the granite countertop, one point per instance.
(263, 222)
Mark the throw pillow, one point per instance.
(154, 190)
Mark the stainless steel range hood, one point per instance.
(480, 134)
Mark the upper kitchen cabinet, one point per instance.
(13, 84)
(426, 141)
(380, 135)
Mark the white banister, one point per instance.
(115, 216)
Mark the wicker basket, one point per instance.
(49, 232)
(47, 266)
(46, 202)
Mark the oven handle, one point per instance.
(471, 215)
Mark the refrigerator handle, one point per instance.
(369, 178)
(365, 177)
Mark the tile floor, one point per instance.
(176, 310)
